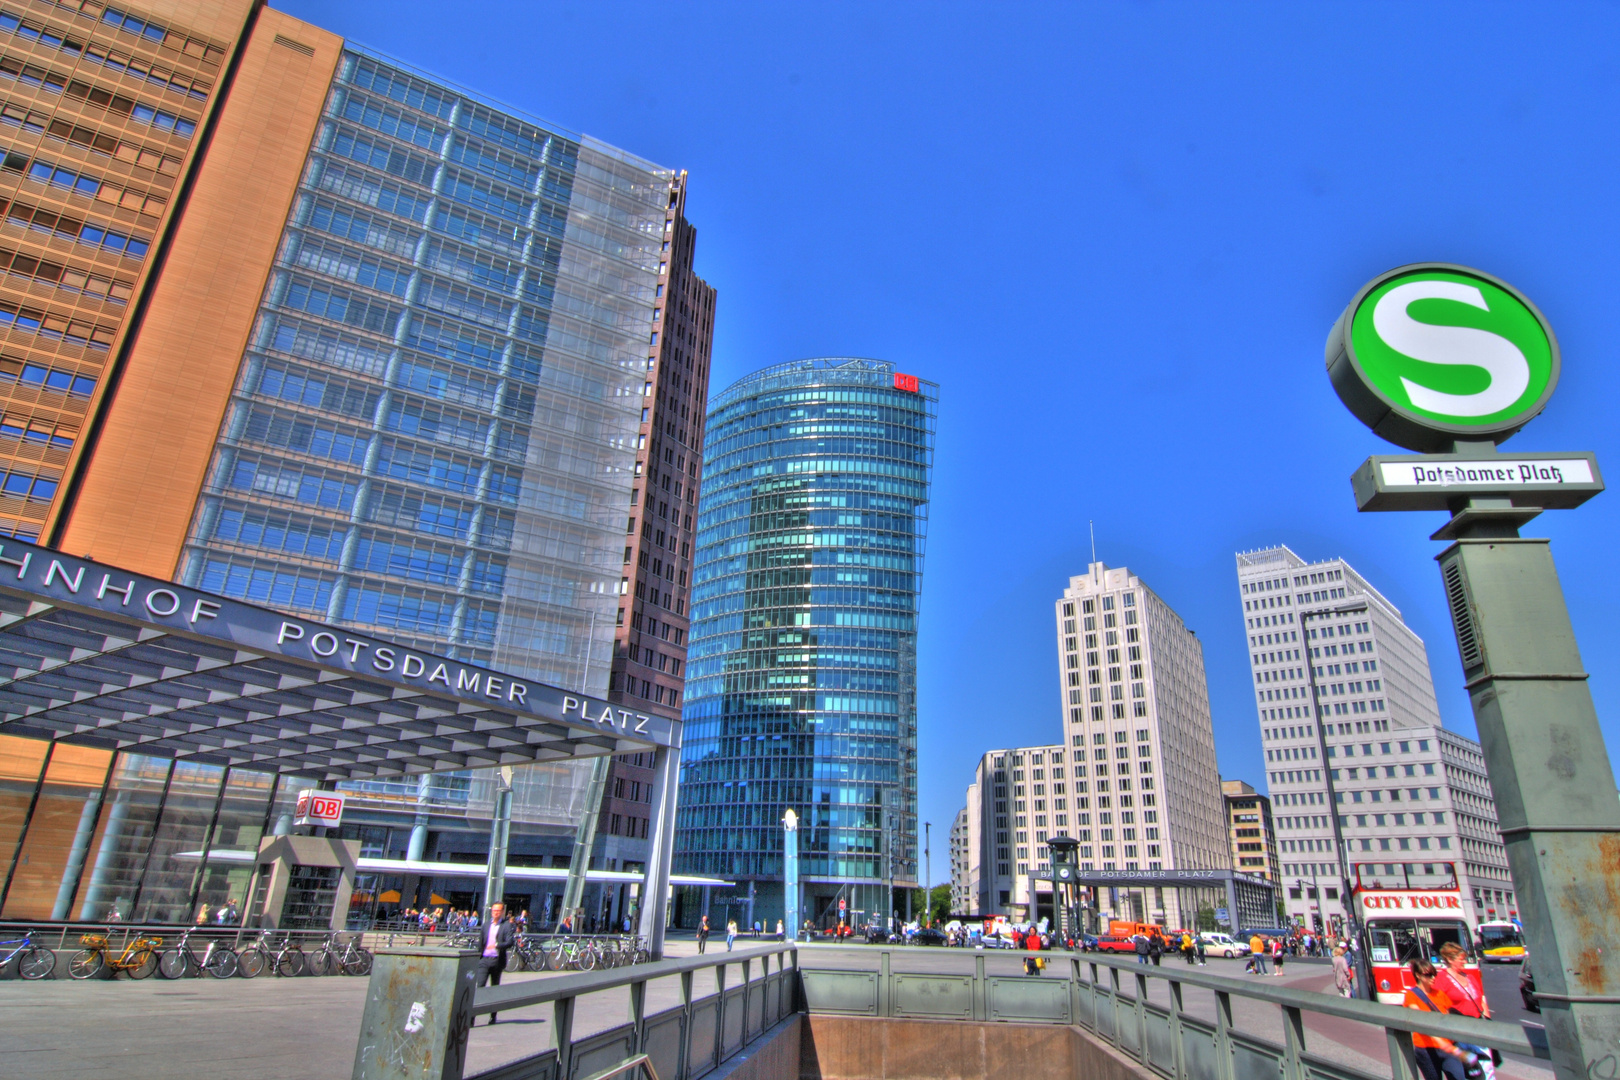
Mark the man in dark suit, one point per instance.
(498, 938)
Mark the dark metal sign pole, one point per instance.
(1556, 799)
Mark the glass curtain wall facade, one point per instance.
(432, 436)
(801, 682)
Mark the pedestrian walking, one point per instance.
(1155, 949)
(1278, 954)
(1034, 962)
(1141, 943)
(1466, 999)
(731, 934)
(703, 934)
(498, 938)
(1257, 951)
(1344, 978)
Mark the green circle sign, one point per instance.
(1432, 353)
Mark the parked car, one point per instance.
(928, 936)
(1218, 944)
(1527, 987)
(1111, 943)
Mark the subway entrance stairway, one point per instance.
(867, 1013)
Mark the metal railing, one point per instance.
(680, 1043)
(1167, 1039)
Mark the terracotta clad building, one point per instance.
(291, 321)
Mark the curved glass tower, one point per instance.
(801, 680)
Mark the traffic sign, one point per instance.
(1222, 915)
(1431, 353)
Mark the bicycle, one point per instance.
(333, 957)
(284, 958)
(527, 954)
(33, 961)
(176, 963)
(139, 957)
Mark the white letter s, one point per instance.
(1465, 345)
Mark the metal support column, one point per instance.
(1555, 792)
(655, 886)
(584, 840)
(500, 830)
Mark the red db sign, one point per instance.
(907, 383)
(318, 808)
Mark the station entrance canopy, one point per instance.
(98, 656)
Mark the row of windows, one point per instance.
(45, 324)
(25, 485)
(94, 286)
(27, 374)
(37, 123)
(116, 104)
(122, 62)
(69, 228)
(39, 429)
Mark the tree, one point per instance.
(937, 908)
(1206, 918)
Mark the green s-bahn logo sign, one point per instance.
(1430, 353)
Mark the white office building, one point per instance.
(1409, 790)
(964, 868)
(1021, 799)
(1137, 718)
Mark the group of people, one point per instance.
(1448, 989)
(1152, 947)
(224, 915)
(704, 931)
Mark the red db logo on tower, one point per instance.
(907, 383)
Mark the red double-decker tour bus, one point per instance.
(1408, 910)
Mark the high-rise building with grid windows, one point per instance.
(1409, 791)
(1136, 709)
(802, 686)
(288, 320)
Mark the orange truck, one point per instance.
(1123, 929)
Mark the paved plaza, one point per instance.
(272, 1029)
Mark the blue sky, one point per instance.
(1117, 236)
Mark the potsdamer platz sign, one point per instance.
(98, 656)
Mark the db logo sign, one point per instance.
(318, 808)
(907, 383)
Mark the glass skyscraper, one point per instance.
(801, 686)
(433, 428)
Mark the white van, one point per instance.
(1217, 944)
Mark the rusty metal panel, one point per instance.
(418, 1010)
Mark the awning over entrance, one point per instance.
(95, 655)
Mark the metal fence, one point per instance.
(1109, 997)
(681, 1043)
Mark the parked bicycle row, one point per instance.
(199, 951)
(138, 956)
(547, 952)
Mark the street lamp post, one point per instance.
(1327, 768)
(790, 874)
(928, 875)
